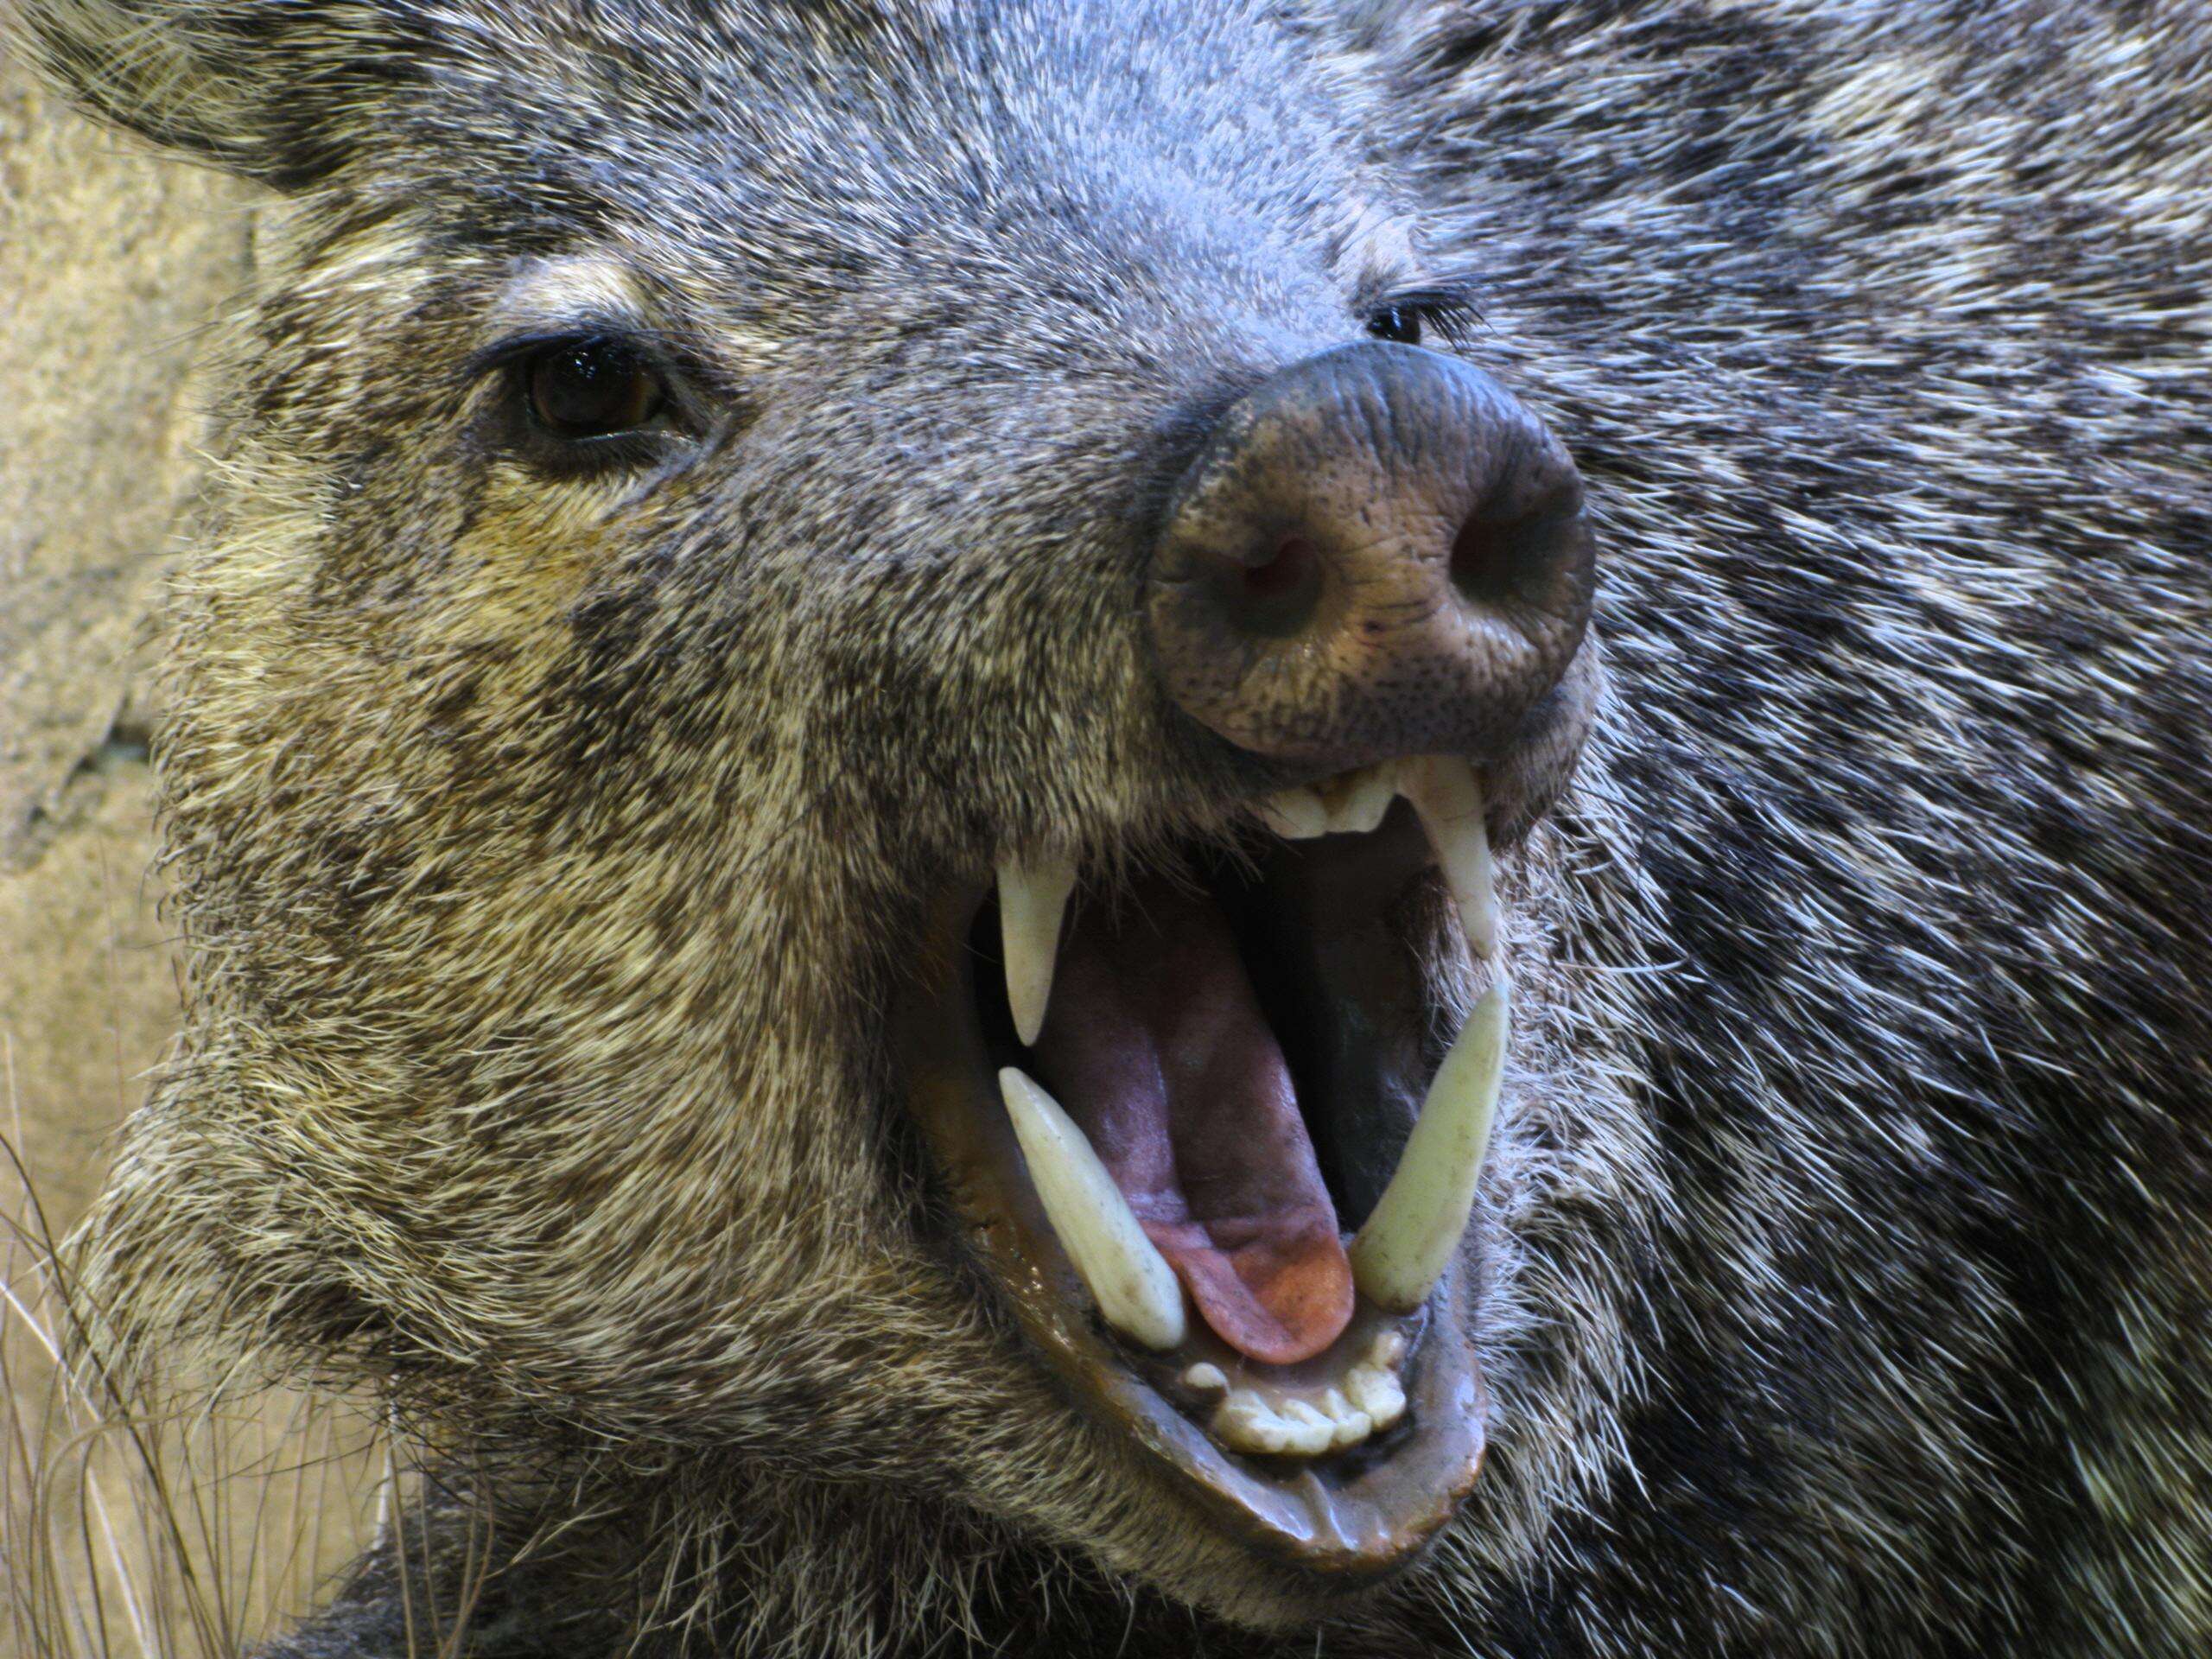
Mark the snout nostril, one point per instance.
(1282, 576)
(1272, 599)
(1511, 561)
(1378, 552)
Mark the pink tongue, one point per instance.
(1155, 1044)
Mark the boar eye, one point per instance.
(1400, 323)
(1412, 314)
(593, 388)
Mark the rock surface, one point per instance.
(110, 264)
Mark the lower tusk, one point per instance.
(1402, 1250)
(1135, 1289)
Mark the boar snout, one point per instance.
(1379, 551)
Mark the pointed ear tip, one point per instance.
(196, 76)
(118, 63)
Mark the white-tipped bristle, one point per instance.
(1033, 899)
(1403, 1249)
(1449, 803)
(1135, 1287)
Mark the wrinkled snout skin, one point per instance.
(550, 828)
(1379, 552)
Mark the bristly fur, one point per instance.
(547, 847)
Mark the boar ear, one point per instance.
(273, 90)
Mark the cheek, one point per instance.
(517, 574)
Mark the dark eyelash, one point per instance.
(517, 348)
(666, 350)
(1448, 307)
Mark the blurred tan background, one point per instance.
(111, 265)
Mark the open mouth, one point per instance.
(1216, 1138)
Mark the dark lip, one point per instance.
(1349, 1521)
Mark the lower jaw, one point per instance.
(1340, 1523)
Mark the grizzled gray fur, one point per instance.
(549, 843)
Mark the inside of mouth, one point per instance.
(1244, 1043)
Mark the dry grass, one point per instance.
(134, 1521)
(144, 1521)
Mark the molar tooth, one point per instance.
(1402, 1251)
(1310, 1432)
(1377, 1394)
(1206, 1377)
(1296, 813)
(1358, 801)
(1386, 1349)
(1450, 805)
(1352, 1425)
(1249, 1424)
(1136, 1289)
(1033, 897)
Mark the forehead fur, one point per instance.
(837, 136)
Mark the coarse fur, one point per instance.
(549, 847)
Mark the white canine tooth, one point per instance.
(1134, 1287)
(1031, 899)
(1450, 805)
(1358, 801)
(1377, 1394)
(1296, 813)
(1206, 1378)
(1402, 1249)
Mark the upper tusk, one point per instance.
(1033, 897)
(1449, 803)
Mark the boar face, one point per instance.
(730, 527)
